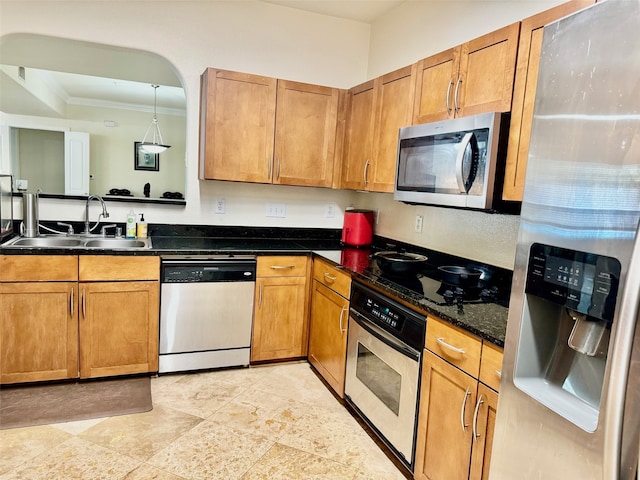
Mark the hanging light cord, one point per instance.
(157, 136)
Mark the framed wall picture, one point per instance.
(145, 160)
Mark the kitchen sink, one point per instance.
(80, 241)
(115, 243)
(46, 242)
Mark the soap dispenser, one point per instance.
(142, 227)
(130, 230)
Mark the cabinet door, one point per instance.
(394, 109)
(447, 400)
(280, 319)
(358, 137)
(328, 335)
(118, 328)
(306, 123)
(435, 85)
(524, 93)
(487, 70)
(237, 124)
(38, 331)
(485, 420)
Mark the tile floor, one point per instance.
(270, 422)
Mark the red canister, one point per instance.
(357, 229)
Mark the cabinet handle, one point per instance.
(455, 94)
(476, 435)
(84, 304)
(364, 174)
(444, 344)
(449, 96)
(344, 309)
(463, 408)
(330, 278)
(71, 302)
(260, 296)
(499, 373)
(269, 163)
(278, 170)
(282, 267)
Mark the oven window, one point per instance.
(382, 380)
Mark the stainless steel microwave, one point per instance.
(452, 162)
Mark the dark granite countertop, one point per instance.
(487, 320)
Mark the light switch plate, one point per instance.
(418, 225)
(276, 210)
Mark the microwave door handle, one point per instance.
(466, 140)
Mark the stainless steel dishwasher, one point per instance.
(206, 311)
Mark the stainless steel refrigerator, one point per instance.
(569, 405)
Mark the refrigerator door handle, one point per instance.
(613, 462)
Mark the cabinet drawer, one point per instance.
(118, 267)
(457, 347)
(335, 279)
(34, 268)
(282, 266)
(491, 366)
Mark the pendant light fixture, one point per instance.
(156, 145)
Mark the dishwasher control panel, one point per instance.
(215, 270)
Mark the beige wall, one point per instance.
(266, 39)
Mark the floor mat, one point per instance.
(22, 406)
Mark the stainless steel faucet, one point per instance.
(104, 213)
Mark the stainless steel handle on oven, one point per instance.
(448, 346)
(282, 267)
(364, 173)
(84, 303)
(448, 96)
(344, 309)
(462, 148)
(467, 394)
(455, 94)
(476, 435)
(71, 303)
(385, 337)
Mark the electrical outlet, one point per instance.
(330, 210)
(276, 210)
(219, 206)
(418, 224)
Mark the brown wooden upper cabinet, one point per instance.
(375, 111)
(264, 130)
(475, 77)
(524, 92)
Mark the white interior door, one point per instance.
(76, 163)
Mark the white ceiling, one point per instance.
(86, 79)
(361, 10)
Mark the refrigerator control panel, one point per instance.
(584, 282)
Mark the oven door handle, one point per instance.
(384, 337)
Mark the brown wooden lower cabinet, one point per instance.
(328, 335)
(38, 331)
(454, 442)
(55, 325)
(118, 328)
(280, 322)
